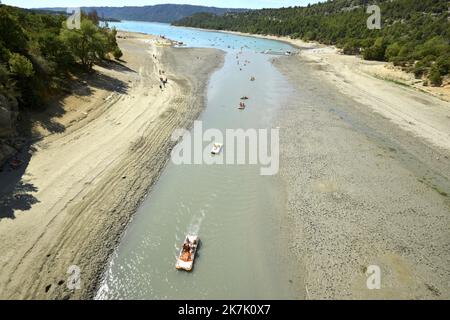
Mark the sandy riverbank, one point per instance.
(366, 168)
(101, 150)
(423, 114)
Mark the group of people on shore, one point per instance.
(163, 81)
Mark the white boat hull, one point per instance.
(182, 262)
(216, 148)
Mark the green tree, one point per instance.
(376, 51)
(38, 52)
(90, 43)
(392, 51)
(7, 85)
(435, 46)
(435, 77)
(93, 16)
(85, 44)
(21, 66)
(12, 35)
(117, 53)
(443, 64)
(55, 50)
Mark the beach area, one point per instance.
(95, 159)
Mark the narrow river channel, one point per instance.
(236, 212)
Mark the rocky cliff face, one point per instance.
(8, 117)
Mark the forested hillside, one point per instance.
(415, 34)
(39, 55)
(158, 13)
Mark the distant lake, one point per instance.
(200, 38)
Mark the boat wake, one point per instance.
(196, 223)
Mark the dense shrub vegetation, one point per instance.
(38, 53)
(415, 34)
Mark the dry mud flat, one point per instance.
(364, 189)
(97, 159)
